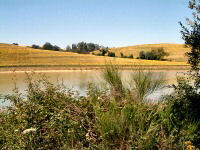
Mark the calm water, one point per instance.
(76, 80)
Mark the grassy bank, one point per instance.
(92, 67)
(115, 115)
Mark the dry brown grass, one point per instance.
(176, 51)
(12, 55)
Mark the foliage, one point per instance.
(183, 110)
(191, 35)
(123, 56)
(108, 117)
(104, 51)
(49, 46)
(36, 46)
(111, 54)
(84, 48)
(145, 83)
(68, 48)
(15, 44)
(131, 56)
(155, 54)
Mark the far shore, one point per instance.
(87, 68)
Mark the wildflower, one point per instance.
(191, 147)
(29, 130)
(87, 135)
(188, 143)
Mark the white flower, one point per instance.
(87, 135)
(29, 130)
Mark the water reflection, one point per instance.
(76, 80)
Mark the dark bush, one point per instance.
(35, 46)
(131, 56)
(47, 46)
(155, 54)
(142, 55)
(111, 54)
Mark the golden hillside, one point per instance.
(176, 51)
(12, 55)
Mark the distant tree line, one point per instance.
(81, 47)
(124, 56)
(155, 54)
(84, 48)
(47, 46)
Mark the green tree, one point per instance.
(35, 46)
(91, 47)
(104, 51)
(191, 35)
(68, 48)
(47, 46)
(74, 47)
(56, 48)
(142, 55)
(111, 54)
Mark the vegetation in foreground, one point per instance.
(114, 116)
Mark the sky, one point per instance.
(112, 23)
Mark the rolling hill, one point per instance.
(176, 51)
(19, 56)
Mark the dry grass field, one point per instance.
(18, 56)
(176, 51)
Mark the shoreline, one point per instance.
(88, 68)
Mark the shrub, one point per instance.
(111, 54)
(35, 46)
(131, 56)
(114, 116)
(142, 55)
(155, 54)
(122, 55)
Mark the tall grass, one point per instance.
(145, 83)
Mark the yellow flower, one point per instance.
(188, 143)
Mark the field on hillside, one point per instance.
(176, 51)
(12, 55)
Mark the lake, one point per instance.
(75, 79)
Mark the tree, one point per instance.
(68, 48)
(155, 54)
(111, 54)
(142, 55)
(131, 56)
(82, 47)
(161, 53)
(91, 47)
(56, 48)
(104, 51)
(74, 47)
(35, 46)
(191, 35)
(47, 46)
(122, 55)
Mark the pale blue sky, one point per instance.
(110, 23)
